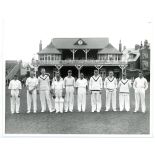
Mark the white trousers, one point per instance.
(81, 99)
(96, 101)
(140, 97)
(59, 101)
(15, 101)
(32, 98)
(124, 101)
(69, 99)
(45, 96)
(111, 96)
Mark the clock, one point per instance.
(80, 42)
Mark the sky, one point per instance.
(26, 22)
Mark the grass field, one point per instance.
(77, 123)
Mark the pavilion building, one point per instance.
(81, 55)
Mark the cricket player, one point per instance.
(15, 87)
(31, 84)
(81, 85)
(58, 90)
(95, 87)
(44, 90)
(69, 84)
(124, 93)
(140, 85)
(110, 85)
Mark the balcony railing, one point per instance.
(81, 62)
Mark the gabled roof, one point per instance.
(109, 49)
(89, 43)
(130, 51)
(50, 49)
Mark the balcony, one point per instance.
(81, 62)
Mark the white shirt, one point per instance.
(95, 83)
(81, 83)
(15, 85)
(110, 83)
(44, 82)
(31, 83)
(140, 83)
(54, 79)
(124, 86)
(58, 85)
(69, 81)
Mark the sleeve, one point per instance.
(119, 84)
(63, 86)
(135, 84)
(10, 85)
(115, 83)
(101, 83)
(105, 83)
(146, 84)
(27, 82)
(90, 84)
(64, 82)
(20, 86)
(53, 87)
(36, 81)
(76, 83)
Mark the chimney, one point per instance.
(141, 44)
(120, 46)
(40, 46)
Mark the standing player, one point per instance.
(110, 85)
(140, 85)
(31, 84)
(15, 87)
(81, 85)
(44, 90)
(69, 83)
(124, 93)
(58, 91)
(95, 87)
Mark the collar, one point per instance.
(96, 78)
(109, 79)
(125, 81)
(43, 77)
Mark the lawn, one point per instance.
(77, 123)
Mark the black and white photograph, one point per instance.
(77, 73)
(79, 86)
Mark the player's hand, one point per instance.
(100, 91)
(90, 92)
(30, 91)
(54, 96)
(19, 95)
(37, 91)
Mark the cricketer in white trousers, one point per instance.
(44, 90)
(58, 88)
(95, 86)
(32, 98)
(81, 94)
(110, 85)
(15, 86)
(69, 83)
(31, 84)
(140, 85)
(124, 94)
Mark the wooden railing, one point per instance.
(81, 62)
